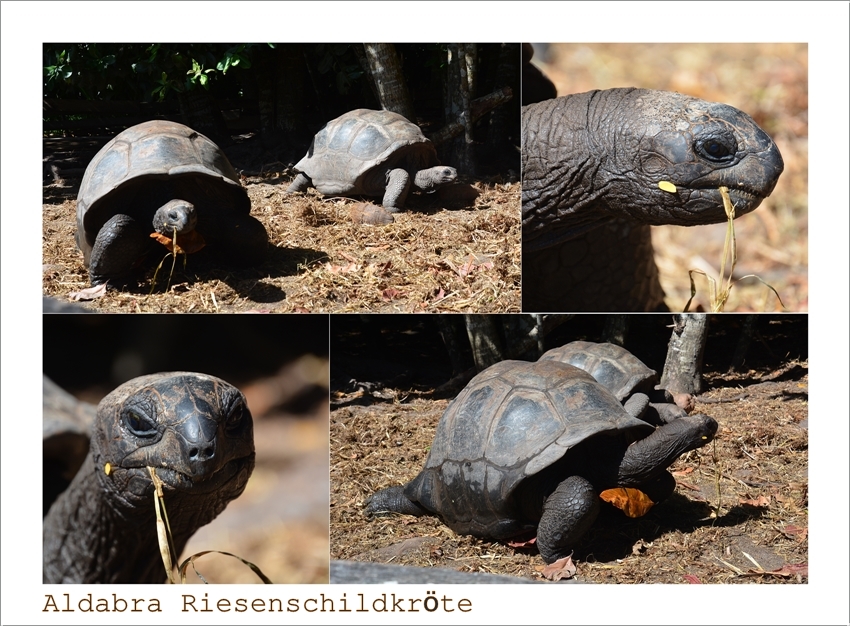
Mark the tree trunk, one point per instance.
(480, 107)
(452, 333)
(683, 368)
(616, 328)
(485, 340)
(744, 342)
(461, 57)
(502, 120)
(385, 69)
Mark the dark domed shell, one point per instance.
(513, 420)
(614, 367)
(156, 150)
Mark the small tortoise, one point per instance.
(599, 168)
(196, 432)
(530, 445)
(371, 153)
(155, 181)
(630, 380)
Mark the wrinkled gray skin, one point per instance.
(528, 445)
(195, 430)
(371, 153)
(591, 167)
(161, 176)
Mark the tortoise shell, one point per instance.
(361, 143)
(143, 166)
(621, 372)
(512, 421)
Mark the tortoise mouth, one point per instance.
(176, 480)
(746, 194)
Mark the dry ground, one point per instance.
(770, 83)
(442, 254)
(739, 514)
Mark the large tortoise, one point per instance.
(371, 153)
(530, 445)
(599, 168)
(155, 180)
(195, 430)
(631, 381)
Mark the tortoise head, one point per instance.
(176, 215)
(194, 430)
(646, 458)
(434, 177)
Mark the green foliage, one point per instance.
(140, 72)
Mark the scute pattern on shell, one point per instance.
(621, 372)
(512, 421)
(359, 141)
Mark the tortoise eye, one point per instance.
(717, 149)
(139, 424)
(235, 415)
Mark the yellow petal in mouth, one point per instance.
(666, 185)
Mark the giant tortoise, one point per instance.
(599, 168)
(532, 445)
(156, 182)
(194, 430)
(371, 153)
(631, 381)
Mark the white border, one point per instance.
(824, 25)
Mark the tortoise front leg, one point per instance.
(398, 184)
(568, 513)
(121, 244)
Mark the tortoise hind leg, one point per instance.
(567, 514)
(302, 182)
(393, 500)
(121, 244)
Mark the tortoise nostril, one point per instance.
(202, 454)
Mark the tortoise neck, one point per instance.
(86, 539)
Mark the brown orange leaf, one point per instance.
(761, 501)
(186, 244)
(390, 294)
(90, 293)
(793, 532)
(560, 569)
(633, 502)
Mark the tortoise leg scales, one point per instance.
(302, 182)
(636, 405)
(393, 500)
(398, 184)
(567, 514)
(120, 245)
